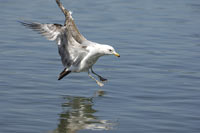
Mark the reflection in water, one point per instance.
(78, 114)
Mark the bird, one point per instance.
(77, 53)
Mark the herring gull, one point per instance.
(77, 53)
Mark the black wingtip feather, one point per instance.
(63, 74)
(34, 26)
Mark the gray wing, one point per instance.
(50, 31)
(71, 51)
(69, 22)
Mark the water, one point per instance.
(152, 87)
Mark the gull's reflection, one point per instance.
(78, 114)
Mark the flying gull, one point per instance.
(77, 53)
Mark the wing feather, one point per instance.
(69, 22)
(70, 50)
(50, 31)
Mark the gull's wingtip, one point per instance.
(65, 11)
(29, 24)
(22, 22)
(63, 74)
(25, 22)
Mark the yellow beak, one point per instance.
(116, 54)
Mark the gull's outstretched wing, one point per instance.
(69, 40)
(70, 50)
(50, 31)
(69, 22)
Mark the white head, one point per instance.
(109, 50)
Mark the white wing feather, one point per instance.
(51, 31)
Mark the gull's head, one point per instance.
(109, 50)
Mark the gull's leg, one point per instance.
(101, 78)
(99, 83)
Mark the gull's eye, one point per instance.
(110, 50)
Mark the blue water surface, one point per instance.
(154, 87)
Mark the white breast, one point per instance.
(88, 63)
